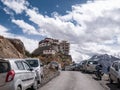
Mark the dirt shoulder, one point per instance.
(49, 74)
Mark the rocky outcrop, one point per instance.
(62, 59)
(49, 74)
(18, 44)
(11, 48)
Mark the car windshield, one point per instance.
(33, 63)
(4, 67)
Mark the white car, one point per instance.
(114, 73)
(16, 74)
(37, 66)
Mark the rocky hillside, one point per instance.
(64, 60)
(11, 48)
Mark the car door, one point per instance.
(84, 65)
(30, 75)
(90, 66)
(20, 73)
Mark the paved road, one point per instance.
(69, 80)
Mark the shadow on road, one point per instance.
(105, 83)
(87, 72)
(112, 86)
(95, 78)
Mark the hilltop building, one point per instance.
(64, 47)
(52, 46)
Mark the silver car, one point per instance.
(90, 66)
(16, 74)
(114, 73)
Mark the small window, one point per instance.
(113, 65)
(116, 66)
(33, 63)
(20, 66)
(119, 66)
(26, 66)
(4, 67)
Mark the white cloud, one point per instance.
(8, 11)
(55, 27)
(30, 44)
(17, 5)
(27, 28)
(4, 30)
(90, 27)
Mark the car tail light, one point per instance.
(10, 76)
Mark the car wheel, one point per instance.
(19, 88)
(35, 86)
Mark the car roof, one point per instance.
(117, 61)
(10, 59)
(31, 58)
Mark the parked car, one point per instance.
(37, 66)
(76, 67)
(16, 74)
(114, 73)
(81, 65)
(72, 67)
(55, 65)
(69, 68)
(90, 66)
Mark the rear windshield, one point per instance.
(4, 67)
(33, 63)
(92, 62)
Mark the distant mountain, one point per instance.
(104, 59)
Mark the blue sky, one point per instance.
(44, 7)
(91, 26)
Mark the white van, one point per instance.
(37, 66)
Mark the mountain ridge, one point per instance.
(105, 60)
